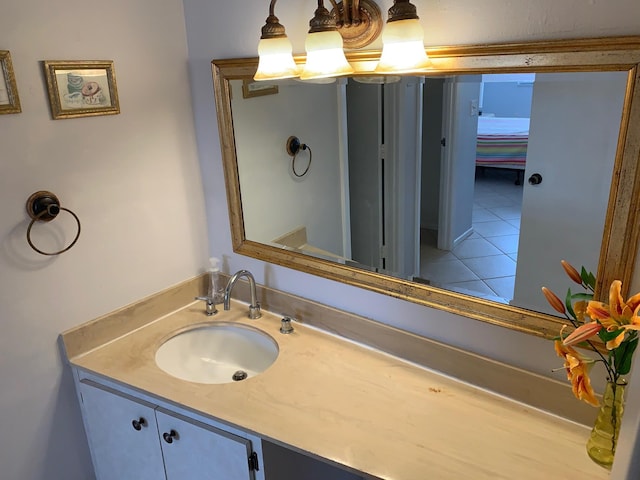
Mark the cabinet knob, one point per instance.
(169, 436)
(138, 424)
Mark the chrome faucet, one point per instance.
(254, 307)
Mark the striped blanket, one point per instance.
(502, 142)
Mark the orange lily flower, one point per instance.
(615, 343)
(578, 373)
(581, 383)
(618, 314)
(580, 309)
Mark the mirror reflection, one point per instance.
(477, 184)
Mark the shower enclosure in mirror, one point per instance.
(460, 189)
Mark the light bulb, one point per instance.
(325, 56)
(403, 48)
(276, 59)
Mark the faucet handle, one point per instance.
(254, 311)
(210, 309)
(286, 326)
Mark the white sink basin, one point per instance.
(217, 353)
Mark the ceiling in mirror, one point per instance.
(460, 189)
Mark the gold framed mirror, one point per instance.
(620, 220)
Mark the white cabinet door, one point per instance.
(194, 451)
(122, 434)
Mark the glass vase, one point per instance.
(603, 441)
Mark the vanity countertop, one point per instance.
(357, 407)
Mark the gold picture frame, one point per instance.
(252, 89)
(81, 88)
(9, 99)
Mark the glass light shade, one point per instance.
(325, 56)
(319, 81)
(276, 59)
(403, 48)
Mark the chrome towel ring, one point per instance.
(44, 206)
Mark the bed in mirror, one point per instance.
(461, 188)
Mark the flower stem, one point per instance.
(611, 372)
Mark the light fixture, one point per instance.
(358, 21)
(275, 51)
(350, 24)
(324, 46)
(402, 41)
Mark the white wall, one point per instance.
(133, 179)
(112, 170)
(506, 94)
(507, 99)
(222, 29)
(262, 125)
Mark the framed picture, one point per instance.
(9, 100)
(81, 88)
(257, 89)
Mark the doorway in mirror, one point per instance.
(566, 123)
(484, 263)
(485, 133)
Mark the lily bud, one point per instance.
(554, 301)
(582, 333)
(571, 272)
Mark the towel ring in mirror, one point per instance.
(293, 147)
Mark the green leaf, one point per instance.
(605, 336)
(582, 296)
(623, 356)
(569, 304)
(588, 278)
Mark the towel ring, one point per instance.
(293, 147)
(43, 206)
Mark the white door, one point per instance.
(195, 451)
(364, 131)
(122, 434)
(433, 145)
(575, 118)
(384, 127)
(457, 172)
(402, 173)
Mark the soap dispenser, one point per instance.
(215, 293)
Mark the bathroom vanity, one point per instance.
(327, 407)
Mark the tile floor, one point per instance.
(484, 264)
